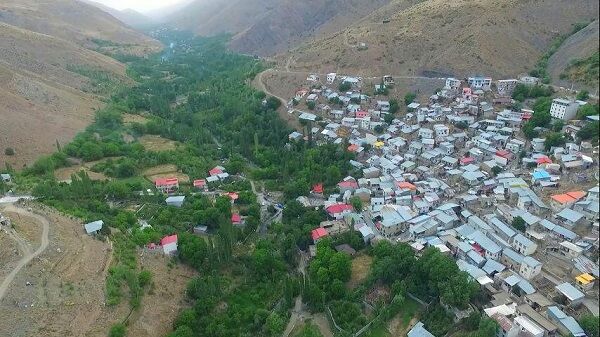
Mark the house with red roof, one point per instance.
(466, 160)
(337, 211)
(319, 233)
(559, 201)
(216, 171)
(347, 185)
(169, 244)
(166, 185)
(353, 148)
(236, 219)
(361, 114)
(317, 188)
(200, 184)
(233, 196)
(542, 160)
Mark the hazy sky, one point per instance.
(138, 5)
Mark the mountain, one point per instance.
(265, 27)
(439, 37)
(128, 16)
(49, 70)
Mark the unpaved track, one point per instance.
(28, 254)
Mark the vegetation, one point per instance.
(523, 92)
(519, 223)
(590, 324)
(409, 98)
(588, 110)
(541, 68)
(118, 330)
(590, 131)
(344, 86)
(540, 118)
(584, 71)
(9, 151)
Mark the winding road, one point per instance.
(28, 255)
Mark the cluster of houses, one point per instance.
(455, 174)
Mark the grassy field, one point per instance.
(157, 143)
(361, 265)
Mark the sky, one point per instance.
(138, 5)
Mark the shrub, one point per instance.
(9, 151)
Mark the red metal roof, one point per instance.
(338, 208)
(236, 218)
(319, 233)
(406, 184)
(166, 182)
(466, 160)
(318, 188)
(168, 239)
(544, 160)
(348, 184)
(199, 183)
(215, 171)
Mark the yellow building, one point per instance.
(585, 281)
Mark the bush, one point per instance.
(9, 151)
(345, 86)
(118, 330)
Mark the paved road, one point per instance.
(28, 254)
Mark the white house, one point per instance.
(452, 83)
(93, 228)
(425, 133)
(441, 130)
(479, 82)
(169, 244)
(331, 77)
(563, 109)
(530, 267)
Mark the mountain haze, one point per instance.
(128, 16)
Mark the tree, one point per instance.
(589, 131)
(588, 110)
(345, 86)
(394, 106)
(462, 125)
(356, 204)
(519, 223)
(554, 139)
(379, 129)
(496, 170)
(273, 103)
(557, 125)
(9, 151)
(311, 105)
(409, 98)
(590, 324)
(583, 95)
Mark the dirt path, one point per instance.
(28, 255)
(289, 118)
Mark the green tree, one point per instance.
(590, 324)
(583, 95)
(554, 139)
(496, 170)
(311, 105)
(409, 98)
(557, 125)
(588, 110)
(590, 131)
(345, 86)
(394, 106)
(356, 203)
(379, 129)
(519, 223)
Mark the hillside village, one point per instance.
(456, 173)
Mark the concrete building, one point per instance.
(563, 109)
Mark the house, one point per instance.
(337, 211)
(93, 228)
(318, 233)
(169, 244)
(383, 106)
(367, 233)
(419, 331)
(585, 282)
(506, 87)
(5, 178)
(572, 296)
(452, 84)
(530, 267)
(523, 326)
(236, 219)
(200, 184)
(560, 201)
(569, 249)
(487, 247)
(570, 217)
(167, 185)
(441, 130)
(563, 109)
(331, 77)
(216, 171)
(566, 324)
(176, 201)
(425, 133)
(347, 185)
(523, 245)
(480, 82)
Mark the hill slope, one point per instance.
(47, 88)
(129, 17)
(265, 27)
(460, 37)
(580, 46)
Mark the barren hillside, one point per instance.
(266, 27)
(459, 37)
(43, 54)
(129, 17)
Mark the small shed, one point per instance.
(176, 201)
(93, 228)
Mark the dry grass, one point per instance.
(165, 171)
(157, 143)
(64, 174)
(361, 265)
(131, 118)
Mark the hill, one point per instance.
(128, 16)
(459, 37)
(265, 27)
(51, 82)
(574, 62)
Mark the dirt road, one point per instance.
(28, 255)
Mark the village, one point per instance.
(455, 172)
